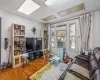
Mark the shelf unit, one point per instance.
(44, 36)
(18, 44)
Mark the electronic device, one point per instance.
(5, 43)
(33, 44)
(38, 44)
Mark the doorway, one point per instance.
(67, 33)
(73, 38)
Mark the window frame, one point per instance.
(64, 25)
(51, 36)
(70, 36)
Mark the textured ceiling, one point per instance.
(44, 11)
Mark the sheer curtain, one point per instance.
(85, 25)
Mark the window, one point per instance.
(61, 36)
(72, 36)
(52, 36)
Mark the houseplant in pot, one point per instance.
(48, 52)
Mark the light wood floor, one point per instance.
(22, 73)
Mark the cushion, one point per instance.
(70, 76)
(93, 66)
(81, 70)
(97, 72)
(97, 55)
(96, 75)
(91, 57)
(96, 49)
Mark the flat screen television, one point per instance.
(38, 44)
(33, 44)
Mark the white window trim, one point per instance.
(69, 38)
(51, 37)
(63, 30)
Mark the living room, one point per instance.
(44, 40)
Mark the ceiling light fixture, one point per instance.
(28, 7)
(49, 2)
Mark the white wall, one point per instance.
(96, 30)
(7, 20)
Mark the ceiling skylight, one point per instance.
(28, 7)
(77, 8)
(49, 2)
(49, 18)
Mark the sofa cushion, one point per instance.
(81, 70)
(97, 71)
(97, 55)
(96, 49)
(70, 76)
(91, 57)
(93, 66)
(96, 75)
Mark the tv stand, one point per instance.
(35, 55)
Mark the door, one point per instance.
(73, 38)
(66, 35)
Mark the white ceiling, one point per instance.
(13, 5)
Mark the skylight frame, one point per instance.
(28, 7)
(80, 7)
(49, 18)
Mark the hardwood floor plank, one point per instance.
(22, 73)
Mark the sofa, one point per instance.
(84, 67)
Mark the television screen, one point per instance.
(33, 44)
(38, 44)
(30, 44)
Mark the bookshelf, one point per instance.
(17, 44)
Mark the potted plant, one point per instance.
(46, 36)
(48, 53)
